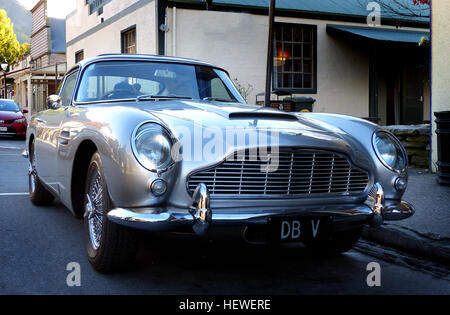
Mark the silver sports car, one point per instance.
(135, 142)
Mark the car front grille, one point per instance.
(299, 172)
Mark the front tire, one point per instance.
(339, 243)
(39, 195)
(110, 247)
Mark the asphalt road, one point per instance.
(37, 244)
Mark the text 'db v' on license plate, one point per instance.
(299, 229)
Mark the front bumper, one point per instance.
(16, 129)
(200, 217)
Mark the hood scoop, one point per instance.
(262, 115)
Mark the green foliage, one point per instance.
(25, 49)
(10, 48)
(424, 41)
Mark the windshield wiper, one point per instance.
(161, 97)
(217, 99)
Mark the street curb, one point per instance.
(410, 242)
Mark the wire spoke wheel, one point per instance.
(39, 195)
(94, 209)
(110, 247)
(32, 174)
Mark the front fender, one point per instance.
(110, 128)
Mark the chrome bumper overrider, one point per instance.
(389, 210)
(200, 216)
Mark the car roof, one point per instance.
(7, 100)
(143, 57)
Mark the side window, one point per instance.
(68, 88)
(211, 85)
(218, 89)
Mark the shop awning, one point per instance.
(377, 33)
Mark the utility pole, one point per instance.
(56, 77)
(269, 54)
(4, 66)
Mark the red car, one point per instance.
(12, 120)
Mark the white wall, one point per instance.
(80, 21)
(440, 73)
(234, 41)
(108, 39)
(238, 43)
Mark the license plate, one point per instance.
(298, 229)
(3, 128)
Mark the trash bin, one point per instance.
(443, 146)
(301, 104)
(258, 101)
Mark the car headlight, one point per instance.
(152, 146)
(389, 151)
(21, 120)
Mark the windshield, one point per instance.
(114, 80)
(8, 106)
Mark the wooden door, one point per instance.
(412, 95)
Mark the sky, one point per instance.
(56, 8)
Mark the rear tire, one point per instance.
(39, 195)
(339, 243)
(110, 247)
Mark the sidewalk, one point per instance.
(427, 232)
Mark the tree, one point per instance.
(25, 49)
(243, 90)
(405, 8)
(10, 48)
(420, 8)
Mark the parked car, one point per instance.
(12, 120)
(136, 142)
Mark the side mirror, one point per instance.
(54, 102)
(25, 111)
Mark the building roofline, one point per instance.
(294, 13)
(37, 5)
(17, 71)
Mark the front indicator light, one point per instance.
(158, 187)
(400, 184)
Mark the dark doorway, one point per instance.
(393, 88)
(404, 77)
(412, 94)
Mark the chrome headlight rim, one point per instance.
(168, 136)
(397, 143)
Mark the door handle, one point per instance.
(41, 120)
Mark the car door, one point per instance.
(68, 130)
(51, 135)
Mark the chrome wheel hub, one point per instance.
(94, 211)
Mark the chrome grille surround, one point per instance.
(300, 172)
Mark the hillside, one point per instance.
(20, 17)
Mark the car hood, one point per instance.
(212, 120)
(4, 115)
